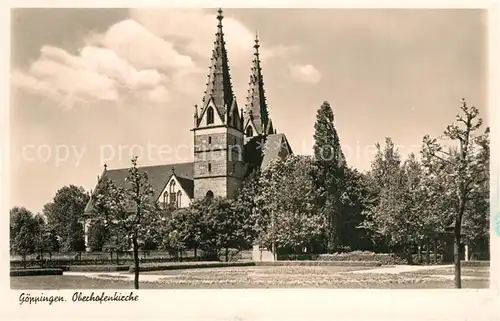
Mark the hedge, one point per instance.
(475, 263)
(320, 263)
(70, 261)
(361, 256)
(35, 272)
(97, 268)
(189, 265)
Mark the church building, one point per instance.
(229, 141)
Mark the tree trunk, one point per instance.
(24, 260)
(195, 253)
(428, 252)
(456, 254)
(419, 253)
(435, 251)
(227, 254)
(136, 261)
(409, 258)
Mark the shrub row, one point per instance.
(475, 263)
(35, 272)
(68, 261)
(360, 256)
(97, 268)
(320, 263)
(188, 265)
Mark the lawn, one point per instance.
(477, 271)
(253, 277)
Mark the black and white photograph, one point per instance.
(248, 148)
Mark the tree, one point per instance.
(329, 173)
(248, 205)
(400, 216)
(183, 229)
(65, 215)
(466, 170)
(128, 211)
(289, 216)
(24, 229)
(98, 236)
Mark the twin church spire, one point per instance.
(219, 91)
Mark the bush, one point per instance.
(35, 272)
(97, 268)
(189, 265)
(233, 255)
(297, 257)
(475, 263)
(383, 258)
(320, 263)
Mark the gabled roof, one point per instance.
(158, 176)
(261, 150)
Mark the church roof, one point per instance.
(256, 105)
(261, 150)
(219, 88)
(158, 176)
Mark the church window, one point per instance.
(249, 131)
(209, 140)
(209, 167)
(172, 192)
(210, 115)
(234, 168)
(235, 118)
(210, 195)
(165, 199)
(179, 195)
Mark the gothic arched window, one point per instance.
(210, 115)
(172, 192)
(210, 195)
(179, 195)
(249, 131)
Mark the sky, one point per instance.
(95, 86)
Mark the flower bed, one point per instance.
(35, 272)
(189, 265)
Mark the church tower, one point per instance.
(256, 116)
(218, 130)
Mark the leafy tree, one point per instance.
(24, 229)
(184, 226)
(64, 216)
(290, 218)
(247, 206)
(97, 236)
(128, 211)
(329, 173)
(466, 169)
(355, 201)
(476, 216)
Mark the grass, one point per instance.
(254, 277)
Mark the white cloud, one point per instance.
(155, 56)
(305, 73)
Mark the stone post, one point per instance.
(86, 227)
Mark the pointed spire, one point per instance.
(219, 87)
(256, 105)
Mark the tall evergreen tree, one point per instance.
(329, 174)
